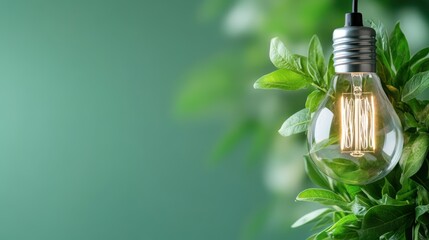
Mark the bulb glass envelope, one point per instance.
(355, 135)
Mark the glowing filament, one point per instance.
(357, 123)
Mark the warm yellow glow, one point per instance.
(357, 122)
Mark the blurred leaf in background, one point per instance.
(221, 87)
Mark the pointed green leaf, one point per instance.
(330, 72)
(421, 66)
(316, 59)
(296, 123)
(414, 154)
(416, 85)
(382, 38)
(283, 79)
(399, 47)
(282, 58)
(420, 211)
(419, 55)
(321, 196)
(314, 99)
(404, 72)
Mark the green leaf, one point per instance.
(323, 144)
(330, 71)
(382, 38)
(408, 190)
(410, 121)
(345, 228)
(348, 169)
(316, 60)
(399, 47)
(321, 196)
(282, 58)
(421, 66)
(384, 218)
(296, 123)
(420, 211)
(416, 85)
(310, 217)
(404, 72)
(383, 52)
(314, 99)
(284, 79)
(413, 155)
(419, 55)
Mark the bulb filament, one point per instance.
(357, 122)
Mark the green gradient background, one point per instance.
(89, 149)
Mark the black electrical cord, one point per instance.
(355, 6)
(355, 17)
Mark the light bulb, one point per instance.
(355, 135)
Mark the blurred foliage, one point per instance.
(220, 87)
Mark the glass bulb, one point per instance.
(355, 136)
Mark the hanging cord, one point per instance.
(355, 17)
(355, 6)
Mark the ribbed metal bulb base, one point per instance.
(354, 49)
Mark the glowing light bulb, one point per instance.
(355, 136)
(357, 119)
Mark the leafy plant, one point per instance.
(396, 207)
